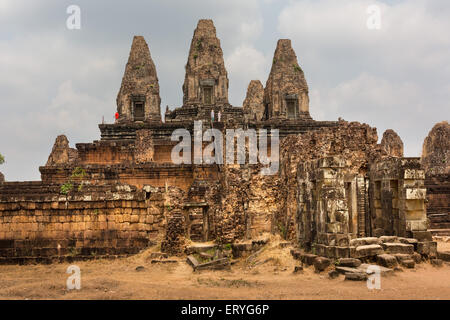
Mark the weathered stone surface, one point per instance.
(427, 248)
(444, 255)
(61, 153)
(403, 256)
(417, 257)
(369, 269)
(344, 270)
(298, 269)
(349, 262)
(138, 97)
(410, 264)
(369, 250)
(436, 150)
(422, 235)
(392, 144)
(286, 87)
(206, 80)
(436, 262)
(398, 248)
(219, 264)
(356, 276)
(321, 263)
(174, 242)
(387, 260)
(192, 261)
(308, 259)
(333, 274)
(254, 101)
(388, 239)
(365, 241)
(144, 148)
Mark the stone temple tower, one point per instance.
(138, 99)
(286, 92)
(206, 80)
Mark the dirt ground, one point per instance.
(119, 279)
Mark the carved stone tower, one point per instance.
(138, 98)
(206, 80)
(286, 92)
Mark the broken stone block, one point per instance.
(333, 274)
(164, 261)
(402, 257)
(140, 268)
(344, 270)
(321, 263)
(308, 258)
(385, 239)
(369, 269)
(219, 264)
(240, 249)
(369, 250)
(417, 257)
(387, 260)
(444, 255)
(436, 262)
(192, 261)
(356, 276)
(428, 248)
(158, 255)
(349, 262)
(398, 248)
(296, 254)
(364, 241)
(330, 251)
(298, 269)
(342, 252)
(410, 264)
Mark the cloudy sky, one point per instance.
(59, 81)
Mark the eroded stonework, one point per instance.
(138, 98)
(392, 143)
(61, 153)
(286, 92)
(206, 80)
(436, 149)
(254, 101)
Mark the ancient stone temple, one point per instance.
(124, 192)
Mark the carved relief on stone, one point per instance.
(144, 148)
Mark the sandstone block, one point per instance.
(387, 260)
(349, 262)
(368, 250)
(398, 248)
(321, 263)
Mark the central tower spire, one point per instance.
(206, 80)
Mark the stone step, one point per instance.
(398, 248)
(440, 232)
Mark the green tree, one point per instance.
(2, 159)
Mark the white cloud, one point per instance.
(245, 64)
(395, 77)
